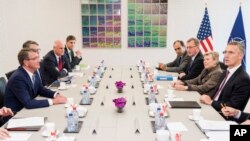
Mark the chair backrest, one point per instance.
(2, 90)
(222, 66)
(8, 74)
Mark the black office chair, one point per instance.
(2, 90)
(222, 66)
(8, 74)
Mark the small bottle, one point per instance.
(157, 119)
(162, 121)
(76, 119)
(92, 81)
(151, 96)
(70, 123)
(86, 96)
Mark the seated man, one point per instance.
(25, 85)
(54, 63)
(4, 112)
(207, 80)
(72, 58)
(236, 115)
(233, 87)
(195, 65)
(181, 61)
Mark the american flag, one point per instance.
(205, 34)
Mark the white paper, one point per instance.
(173, 99)
(210, 125)
(177, 126)
(66, 138)
(18, 137)
(26, 122)
(218, 135)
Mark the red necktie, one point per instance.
(60, 64)
(221, 86)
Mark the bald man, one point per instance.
(54, 63)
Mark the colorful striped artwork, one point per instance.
(147, 23)
(101, 23)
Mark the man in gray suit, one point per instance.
(181, 61)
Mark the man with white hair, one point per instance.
(54, 63)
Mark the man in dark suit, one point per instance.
(181, 61)
(54, 63)
(236, 115)
(195, 65)
(24, 86)
(233, 88)
(72, 58)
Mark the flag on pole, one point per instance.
(205, 34)
(238, 34)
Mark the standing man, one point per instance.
(55, 65)
(24, 86)
(181, 61)
(72, 58)
(195, 65)
(233, 88)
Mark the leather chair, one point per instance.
(8, 74)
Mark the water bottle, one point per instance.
(151, 95)
(92, 81)
(102, 64)
(76, 119)
(162, 121)
(70, 123)
(157, 119)
(86, 96)
(99, 71)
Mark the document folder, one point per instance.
(164, 78)
(184, 104)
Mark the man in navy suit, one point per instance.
(195, 65)
(73, 58)
(233, 88)
(25, 85)
(54, 63)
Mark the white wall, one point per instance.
(47, 20)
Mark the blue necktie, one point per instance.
(33, 80)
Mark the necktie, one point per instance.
(33, 80)
(180, 60)
(60, 65)
(190, 65)
(216, 96)
(70, 55)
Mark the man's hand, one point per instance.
(59, 99)
(78, 54)
(182, 75)
(4, 133)
(6, 112)
(229, 111)
(205, 99)
(162, 66)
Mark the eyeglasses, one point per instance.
(35, 58)
(228, 52)
(189, 47)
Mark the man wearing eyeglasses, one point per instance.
(24, 86)
(72, 58)
(35, 46)
(233, 88)
(195, 65)
(181, 61)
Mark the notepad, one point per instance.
(26, 124)
(210, 125)
(184, 104)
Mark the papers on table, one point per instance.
(18, 137)
(176, 126)
(210, 125)
(218, 135)
(29, 123)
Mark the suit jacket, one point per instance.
(50, 68)
(194, 68)
(206, 81)
(235, 92)
(243, 117)
(74, 59)
(179, 64)
(20, 92)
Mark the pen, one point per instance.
(224, 106)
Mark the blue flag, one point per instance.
(238, 34)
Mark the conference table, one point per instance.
(104, 118)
